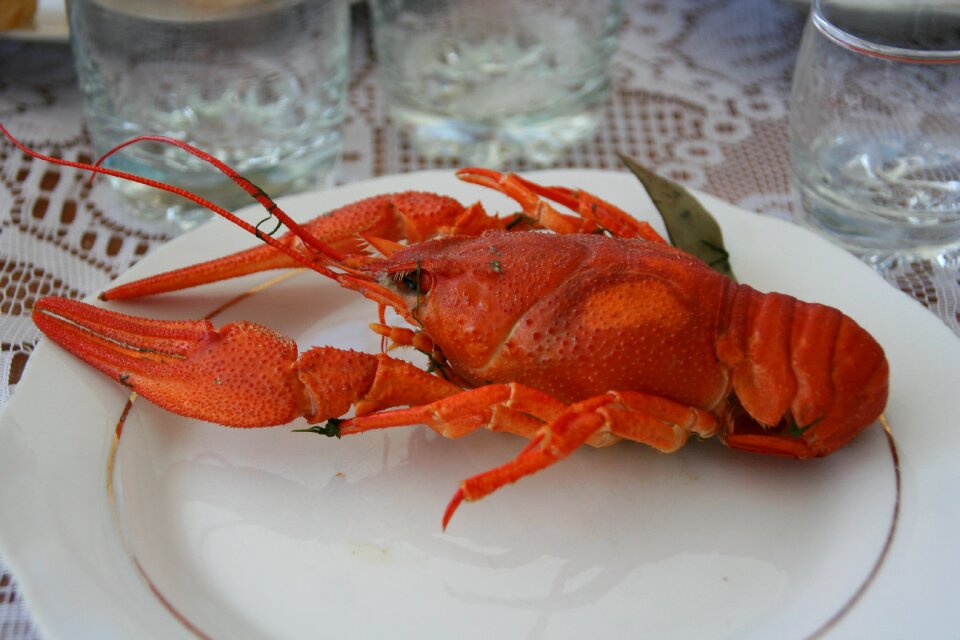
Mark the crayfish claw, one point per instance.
(452, 507)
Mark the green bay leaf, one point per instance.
(690, 226)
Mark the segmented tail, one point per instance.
(808, 375)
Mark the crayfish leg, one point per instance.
(555, 429)
(513, 407)
(593, 213)
(652, 420)
(590, 207)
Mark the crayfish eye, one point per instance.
(417, 281)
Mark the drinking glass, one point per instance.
(260, 84)
(490, 81)
(875, 127)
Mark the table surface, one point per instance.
(700, 95)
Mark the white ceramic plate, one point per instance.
(49, 24)
(268, 533)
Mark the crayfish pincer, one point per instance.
(566, 328)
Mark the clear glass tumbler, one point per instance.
(492, 81)
(875, 127)
(260, 84)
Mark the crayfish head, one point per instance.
(468, 293)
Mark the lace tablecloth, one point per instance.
(701, 91)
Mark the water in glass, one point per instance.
(260, 85)
(875, 128)
(489, 82)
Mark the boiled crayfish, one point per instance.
(597, 332)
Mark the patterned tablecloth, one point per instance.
(700, 94)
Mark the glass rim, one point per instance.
(867, 47)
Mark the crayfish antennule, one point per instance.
(452, 507)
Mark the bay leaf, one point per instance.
(690, 226)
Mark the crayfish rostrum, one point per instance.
(566, 329)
